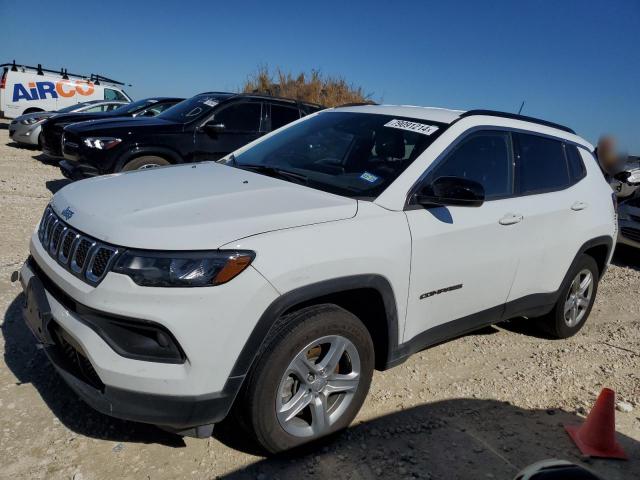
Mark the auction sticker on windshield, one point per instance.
(412, 126)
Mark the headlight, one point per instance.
(101, 143)
(32, 120)
(183, 269)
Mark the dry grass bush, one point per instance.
(313, 87)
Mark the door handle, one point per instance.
(510, 219)
(578, 206)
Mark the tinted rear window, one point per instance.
(542, 164)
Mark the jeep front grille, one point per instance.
(83, 256)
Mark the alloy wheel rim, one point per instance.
(318, 386)
(579, 298)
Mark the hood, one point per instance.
(192, 207)
(122, 123)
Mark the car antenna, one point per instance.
(521, 107)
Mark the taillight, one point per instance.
(3, 82)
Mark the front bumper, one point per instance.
(77, 171)
(176, 413)
(83, 162)
(210, 325)
(27, 134)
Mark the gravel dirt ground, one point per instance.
(482, 406)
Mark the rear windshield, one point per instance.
(351, 154)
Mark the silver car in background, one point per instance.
(25, 129)
(627, 189)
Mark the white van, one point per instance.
(25, 89)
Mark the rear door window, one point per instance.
(542, 165)
(282, 115)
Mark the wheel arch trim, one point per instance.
(601, 241)
(136, 152)
(308, 293)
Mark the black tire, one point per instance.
(554, 323)
(40, 141)
(256, 405)
(146, 161)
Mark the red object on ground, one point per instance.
(596, 437)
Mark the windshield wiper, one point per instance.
(274, 172)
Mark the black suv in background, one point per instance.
(52, 129)
(205, 127)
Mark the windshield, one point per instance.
(192, 108)
(352, 154)
(133, 107)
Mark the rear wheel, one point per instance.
(147, 161)
(576, 299)
(310, 380)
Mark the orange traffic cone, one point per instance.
(596, 436)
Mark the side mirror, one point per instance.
(214, 127)
(452, 191)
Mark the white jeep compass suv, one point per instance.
(272, 283)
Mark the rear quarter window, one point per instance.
(577, 170)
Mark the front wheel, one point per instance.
(310, 380)
(576, 299)
(142, 163)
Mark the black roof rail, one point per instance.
(515, 116)
(216, 93)
(355, 104)
(40, 71)
(263, 96)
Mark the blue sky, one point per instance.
(573, 62)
